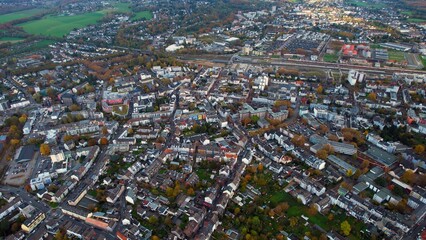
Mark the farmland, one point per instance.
(18, 15)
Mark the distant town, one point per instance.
(187, 119)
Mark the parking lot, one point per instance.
(18, 173)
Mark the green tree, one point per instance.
(153, 220)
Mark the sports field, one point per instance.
(58, 26)
(18, 15)
(396, 55)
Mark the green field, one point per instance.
(18, 15)
(396, 55)
(330, 57)
(125, 8)
(424, 62)
(11, 39)
(416, 20)
(144, 14)
(359, 3)
(118, 7)
(58, 26)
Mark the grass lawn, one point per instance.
(396, 55)
(376, 46)
(120, 109)
(423, 61)
(416, 20)
(11, 39)
(366, 4)
(59, 26)
(21, 14)
(409, 13)
(122, 7)
(53, 204)
(330, 57)
(203, 174)
(143, 15)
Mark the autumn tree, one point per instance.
(323, 129)
(44, 149)
(104, 130)
(103, 141)
(298, 140)
(372, 96)
(190, 192)
(293, 221)
(260, 167)
(246, 121)
(23, 118)
(408, 176)
(74, 107)
(419, 148)
(320, 89)
(345, 227)
(365, 164)
(92, 142)
(322, 154)
(312, 211)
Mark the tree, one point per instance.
(23, 118)
(104, 130)
(68, 138)
(408, 176)
(154, 237)
(260, 167)
(74, 107)
(345, 227)
(237, 210)
(44, 149)
(169, 192)
(323, 129)
(293, 221)
(15, 142)
(246, 121)
(153, 220)
(372, 96)
(190, 192)
(298, 140)
(365, 164)
(322, 154)
(419, 148)
(320, 89)
(92, 142)
(103, 141)
(330, 217)
(312, 211)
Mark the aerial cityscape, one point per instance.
(213, 119)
